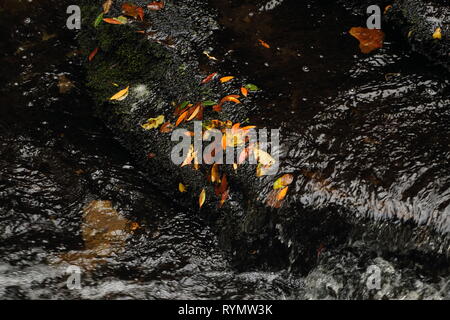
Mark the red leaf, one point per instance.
(209, 78)
(155, 5)
(93, 53)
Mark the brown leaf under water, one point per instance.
(369, 39)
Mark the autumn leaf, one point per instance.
(166, 127)
(202, 198)
(155, 5)
(121, 95)
(182, 188)
(93, 54)
(263, 157)
(369, 39)
(118, 20)
(107, 6)
(226, 79)
(209, 78)
(231, 98)
(244, 91)
(195, 112)
(153, 123)
(181, 118)
(282, 193)
(437, 34)
(189, 156)
(208, 103)
(389, 7)
(64, 84)
(132, 10)
(264, 44)
(283, 181)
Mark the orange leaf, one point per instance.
(217, 108)
(155, 5)
(369, 39)
(202, 198)
(231, 98)
(215, 177)
(244, 91)
(112, 21)
(224, 141)
(209, 78)
(92, 54)
(224, 198)
(226, 79)
(181, 118)
(282, 193)
(264, 44)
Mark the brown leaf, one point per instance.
(93, 54)
(369, 39)
(181, 118)
(155, 5)
(132, 10)
(209, 78)
(166, 127)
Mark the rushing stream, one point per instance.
(70, 195)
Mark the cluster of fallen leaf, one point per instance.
(232, 133)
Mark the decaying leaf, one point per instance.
(93, 54)
(283, 181)
(226, 79)
(153, 123)
(209, 78)
(121, 95)
(166, 127)
(182, 188)
(263, 157)
(369, 39)
(264, 44)
(132, 10)
(155, 5)
(202, 198)
(107, 6)
(437, 34)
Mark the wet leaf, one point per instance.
(226, 79)
(251, 87)
(209, 103)
(153, 123)
(209, 78)
(264, 44)
(202, 198)
(132, 10)
(244, 91)
(437, 34)
(210, 57)
(369, 39)
(231, 98)
(166, 127)
(181, 107)
(389, 7)
(181, 118)
(107, 6)
(282, 193)
(118, 20)
(195, 112)
(283, 181)
(224, 197)
(64, 84)
(93, 54)
(98, 20)
(182, 188)
(121, 95)
(263, 157)
(189, 156)
(155, 5)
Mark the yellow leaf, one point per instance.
(202, 198)
(107, 6)
(226, 79)
(215, 177)
(263, 157)
(437, 34)
(153, 123)
(121, 95)
(283, 181)
(182, 188)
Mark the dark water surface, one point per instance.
(69, 194)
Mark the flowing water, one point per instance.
(70, 195)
